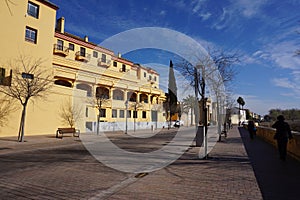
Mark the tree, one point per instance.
(188, 104)
(215, 69)
(101, 98)
(135, 106)
(30, 80)
(70, 114)
(172, 91)
(241, 102)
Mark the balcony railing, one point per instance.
(103, 63)
(60, 50)
(124, 70)
(151, 81)
(84, 57)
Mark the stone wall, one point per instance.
(293, 145)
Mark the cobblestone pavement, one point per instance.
(48, 168)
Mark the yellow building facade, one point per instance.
(83, 73)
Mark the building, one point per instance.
(83, 73)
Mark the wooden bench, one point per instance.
(63, 131)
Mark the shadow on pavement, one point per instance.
(278, 180)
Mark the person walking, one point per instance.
(251, 129)
(282, 135)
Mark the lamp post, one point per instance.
(126, 117)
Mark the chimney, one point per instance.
(119, 55)
(60, 25)
(86, 38)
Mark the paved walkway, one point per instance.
(238, 168)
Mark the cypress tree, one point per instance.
(172, 91)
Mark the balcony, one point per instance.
(83, 57)
(124, 70)
(103, 63)
(60, 50)
(151, 81)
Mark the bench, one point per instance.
(63, 131)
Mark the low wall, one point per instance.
(293, 145)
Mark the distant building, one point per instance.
(237, 115)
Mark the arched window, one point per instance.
(131, 96)
(85, 87)
(63, 83)
(143, 98)
(102, 92)
(118, 95)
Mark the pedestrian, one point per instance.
(282, 135)
(251, 129)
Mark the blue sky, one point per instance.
(264, 32)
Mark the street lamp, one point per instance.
(126, 123)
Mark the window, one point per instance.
(103, 58)
(115, 64)
(118, 95)
(82, 51)
(134, 114)
(114, 113)
(103, 113)
(31, 35)
(33, 10)
(145, 74)
(95, 54)
(150, 77)
(86, 111)
(60, 45)
(144, 115)
(128, 113)
(2, 76)
(121, 113)
(85, 87)
(71, 47)
(123, 68)
(63, 83)
(154, 78)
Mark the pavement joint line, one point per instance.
(104, 194)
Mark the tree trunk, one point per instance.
(22, 124)
(98, 123)
(192, 113)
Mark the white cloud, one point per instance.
(162, 13)
(248, 8)
(283, 82)
(236, 9)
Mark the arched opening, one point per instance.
(85, 87)
(131, 96)
(143, 98)
(63, 83)
(102, 92)
(118, 95)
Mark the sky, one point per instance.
(265, 33)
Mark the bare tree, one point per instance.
(99, 101)
(70, 113)
(30, 80)
(213, 69)
(135, 106)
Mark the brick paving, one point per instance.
(238, 168)
(228, 174)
